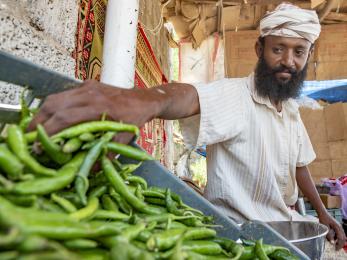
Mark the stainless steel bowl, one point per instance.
(307, 236)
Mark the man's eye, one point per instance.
(277, 50)
(300, 52)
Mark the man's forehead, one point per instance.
(287, 41)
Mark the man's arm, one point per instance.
(135, 106)
(307, 186)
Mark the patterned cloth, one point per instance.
(252, 150)
(88, 55)
(291, 21)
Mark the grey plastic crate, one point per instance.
(157, 175)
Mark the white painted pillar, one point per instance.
(119, 51)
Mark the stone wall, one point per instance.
(42, 31)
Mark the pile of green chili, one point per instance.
(55, 204)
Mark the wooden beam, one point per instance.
(326, 9)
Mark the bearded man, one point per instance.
(257, 146)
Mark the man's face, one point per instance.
(281, 67)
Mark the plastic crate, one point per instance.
(157, 175)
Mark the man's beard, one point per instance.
(267, 85)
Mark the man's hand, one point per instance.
(89, 102)
(336, 233)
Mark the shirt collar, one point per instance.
(289, 106)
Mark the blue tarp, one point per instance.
(331, 95)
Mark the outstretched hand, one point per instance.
(89, 102)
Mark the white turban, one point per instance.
(288, 20)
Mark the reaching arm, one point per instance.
(135, 106)
(306, 185)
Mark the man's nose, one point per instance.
(288, 59)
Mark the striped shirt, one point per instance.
(252, 150)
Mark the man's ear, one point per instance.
(311, 51)
(258, 49)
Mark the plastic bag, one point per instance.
(339, 187)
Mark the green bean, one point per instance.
(64, 203)
(18, 145)
(9, 163)
(72, 145)
(117, 182)
(87, 211)
(129, 151)
(48, 205)
(96, 126)
(52, 149)
(34, 243)
(47, 185)
(82, 182)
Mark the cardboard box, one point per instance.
(320, 170)
(339, 167)
(330, 202)
(314, 122)
(322, 151)
(336, 121)
(338, 150)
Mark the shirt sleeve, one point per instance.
(306, 152)
(221, 113)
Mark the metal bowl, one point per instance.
(307, 236)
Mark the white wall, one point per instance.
(42, 31)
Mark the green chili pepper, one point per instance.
(47, 185)
(82, 182)
(86, 137)
(30, 137)
(52, 149)
(129, 151)
(108, 203)
(170, 205)
(137, 180)
(155, 201)
(123, 205)
(9, 163)
(87, 211)
(18, 145)
(9, 255)
(11, 238)
(202, 247)
(281, 254)
(259, 250)
(98, 191)
(64, 203)
(96, 126)
(107, 214)
(72, 145)
(117, 182)
(80, 244)
(54, 225)
(24, 201)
